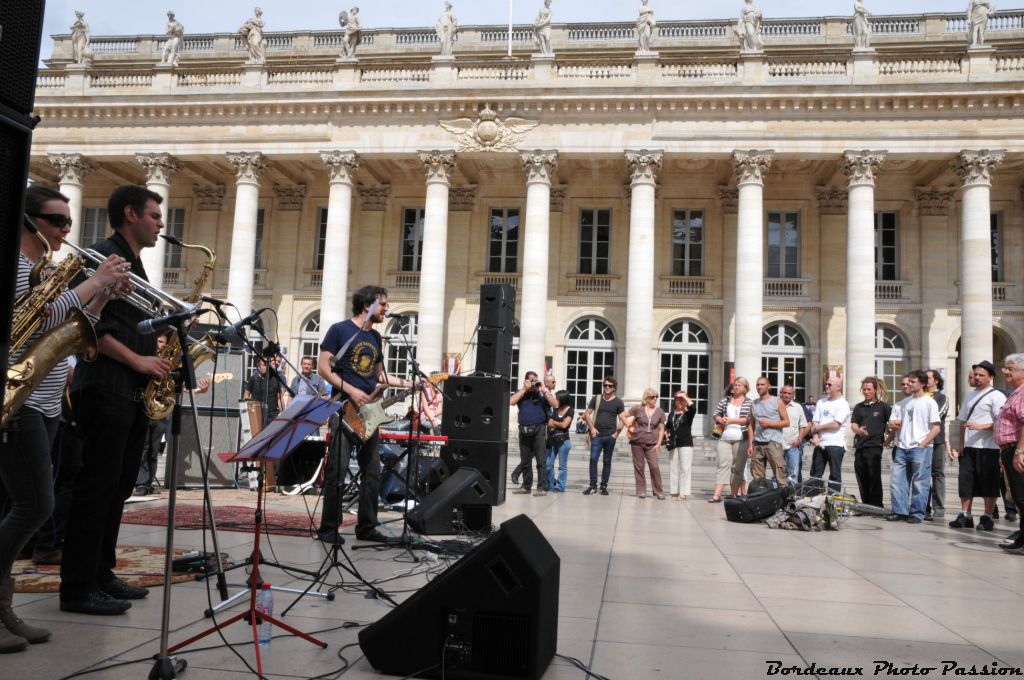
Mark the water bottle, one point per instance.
(265, 606)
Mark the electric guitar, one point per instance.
(362, 423)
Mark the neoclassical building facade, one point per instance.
(665, 215)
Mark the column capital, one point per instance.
(209, 196)
(831, 201)
(540, 165)
(73, 167)
(342, 166)
(439, 165)
(975, 167)
(374, 198)
(860, 166)
(751, 166)
(934, 201)
(290, 197)
(643, 165)
(159, 167)
(249, 165)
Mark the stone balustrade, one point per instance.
(916, 67)
(595, 71)
(785, 288)
(693, 31)
(807, 69)
(791, 28)
(687, 286)
(394, 75)
(890, 290)
(520, 36)
(317, 77)
(493, 73)
(592, 283)
(511, 278)
(1005, 64)
(1000, 21)
(699, 70)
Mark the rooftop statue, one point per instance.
(860, 27)
(748, 28)
(80, 50)
(175, 34)
(542, 29)
(252, 31)
(353, 32)
(447, 28)
(644, 27)
(977, 18)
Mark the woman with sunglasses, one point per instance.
(733, 415)
(647, 424)
(679, 440)
(25, 443)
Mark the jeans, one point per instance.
(533, 447)
(27, 475)
(833, 455)
(601, 443)
(795, 463)
(561, 453)
(914, 464)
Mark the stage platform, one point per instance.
(649, 589)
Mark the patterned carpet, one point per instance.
(138, 565)
(229, 518)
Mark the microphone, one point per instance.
(162, 323)
(395, 315)
(239, 326)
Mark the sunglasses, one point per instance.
(53, 219)
(609, 387)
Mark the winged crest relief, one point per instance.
(488, 132)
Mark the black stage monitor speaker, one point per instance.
(225, 438)
(494, 352)
(459, 504)
(475, 407)
(497, 306)
(489, 458)
(493, 615)
(21, 32)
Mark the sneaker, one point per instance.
(1011, 517)
(939, 514)
(929, 518)
(121, 590)
(604, 491)
(962, 521)
(913, 520)
(523, 490)
(1017, 547)
(893, 517)
(985, 523)
(540, 492)
(589, 490)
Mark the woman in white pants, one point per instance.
(679, 440)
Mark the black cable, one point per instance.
(582, 666)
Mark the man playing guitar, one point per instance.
(351, 360)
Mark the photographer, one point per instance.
(533, 400)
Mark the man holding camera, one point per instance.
(533, 400)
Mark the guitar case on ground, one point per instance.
(761, 503)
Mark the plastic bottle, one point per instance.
(265, 605)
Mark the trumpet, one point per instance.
(144, 296)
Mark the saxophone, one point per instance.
(158, 398)
(75, 336)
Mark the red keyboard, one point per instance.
(404, 437)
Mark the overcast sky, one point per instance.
(131, 17)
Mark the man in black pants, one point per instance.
(105, 397)
(351, 360)
(533, 400)
(868, 422)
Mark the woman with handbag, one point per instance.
(679, 440)
(646, 424)
(732, 416)
(559, 443)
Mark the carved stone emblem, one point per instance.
(488, 132)
(832, 201)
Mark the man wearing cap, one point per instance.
(979, 457)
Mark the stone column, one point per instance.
(73, 168)
(533, 327)
(159, 168)
(750, 168)
(974, 169)
(643, 167)
(860, 168)
(341, 167)
(434, 260)
(248, 167)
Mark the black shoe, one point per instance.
(995, 513)
(589, 490)
(985, 523)
(523, 489)
(1015, 547)
(604, 490)
(517, 473)
(962, 521)
(330, 536)
(373, 536)
(1011, 539)
(1011, 517)
(913, 520)
(119, 590)
(97, 603)
(893, 517)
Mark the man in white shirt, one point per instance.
(917, 418)
(979, 457)
(828, 433)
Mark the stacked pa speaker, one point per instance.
(21, 26)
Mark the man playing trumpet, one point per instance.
(25, 441)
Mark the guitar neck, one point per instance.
(391, 401)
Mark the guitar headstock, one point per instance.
(437, 377)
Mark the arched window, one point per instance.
(309, 338)
(684, 357)
(891, 359)
(589, 357)
(399, 333)
(784, 358)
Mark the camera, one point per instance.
(537, 384)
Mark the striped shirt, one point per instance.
(745, 408)
(47, 397)
(1010, 420)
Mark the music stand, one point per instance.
(304, 415)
